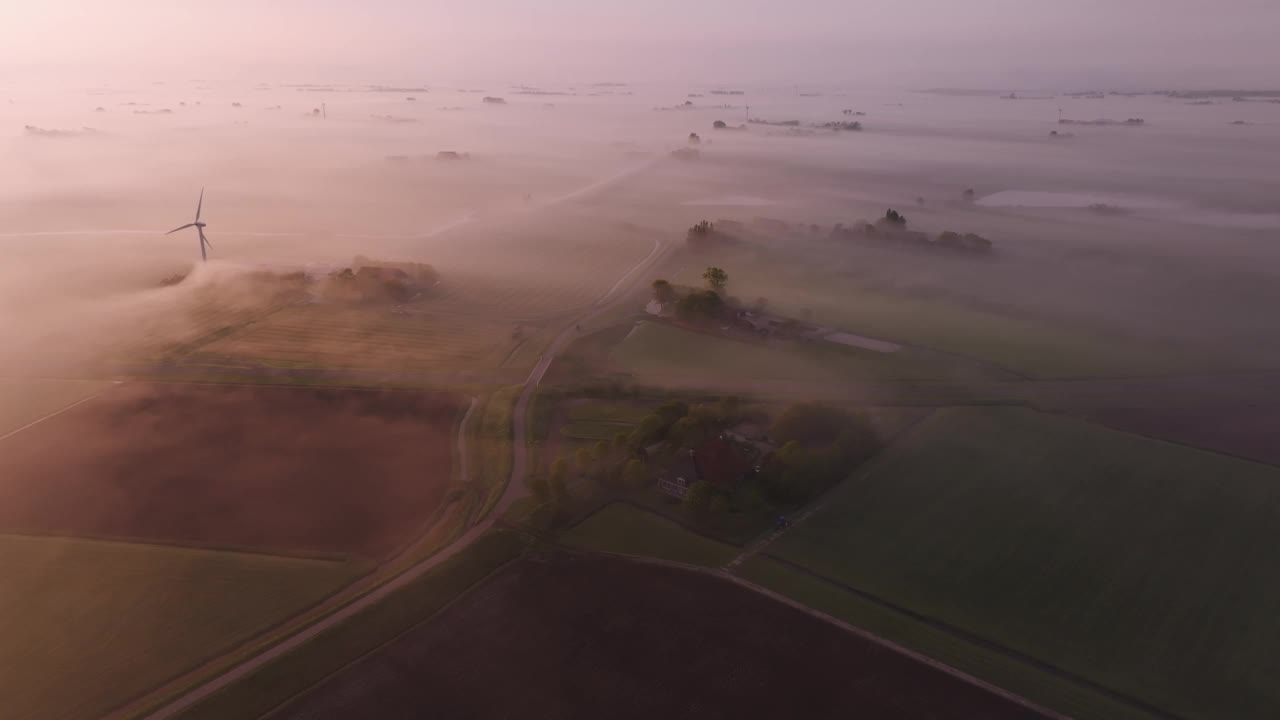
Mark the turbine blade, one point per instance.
(199, 204)
(184, 227)
(204, 240)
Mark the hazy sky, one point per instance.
(1054, 44)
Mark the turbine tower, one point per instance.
(199, 226)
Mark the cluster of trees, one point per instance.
(838, 125)
(893, 226)
(695, 304)
(683, 426)
(620, 463)
(704, 235)
(820, 446)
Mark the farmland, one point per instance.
(655, 350)
(284, 469)
(640, 642)
(365, 338)
(113, 619)
(296, 671)
(833, 295)
(629, 530)
(26, 401)
(1095, 552)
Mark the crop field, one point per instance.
(182, 319)
(89, 624)
(629, 530)
(1031, 347)
(639, 641)
(659, 350)
(256, 694)
(1249, 431)
(366, 338)
(26, 401)
(1094, 551)
(282, 469)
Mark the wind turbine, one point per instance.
(199, 226)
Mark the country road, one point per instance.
(514, 491)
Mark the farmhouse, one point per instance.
(675, 479)
(722, 461)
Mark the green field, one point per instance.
(1043, 688)
(658, 350)
(595, 429)
(1140, 565)
(489, 445)
(87, 625)
(608, 411)
(25, 401)
(629, 530)
(295, 672)
(1028, 346)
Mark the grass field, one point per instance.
(295, 672)
(360, 337)
(629, 530)
(490, 445)
(595, 429)
(1043, 688)
(611, 411)
(25, 401)
(1032, 347)
(1140, 565)
(658, 350)
(88, 624)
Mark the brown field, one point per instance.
(1246, 431)
(281, 469)
(589, 637)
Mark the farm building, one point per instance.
(675, 479)
(722, 461)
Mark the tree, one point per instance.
(703, 227)
(688, 432)
(635, 474)
(672, 410)
(559, 493)
(663, 292)
(650, 430)
(716, 278)
(582, 460)
(700, 305)
(719, 125)
(895, 218)
(719, 504)
(540, 488)
(698, 498)
(559, 470)
(694, 139)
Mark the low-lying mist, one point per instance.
(544, 189)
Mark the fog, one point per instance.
(563, 168)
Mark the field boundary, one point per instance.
(281, 631)
(474, 587)
(980, 641)
(52, 415)
(847, 627)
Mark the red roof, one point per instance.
(720, 462)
